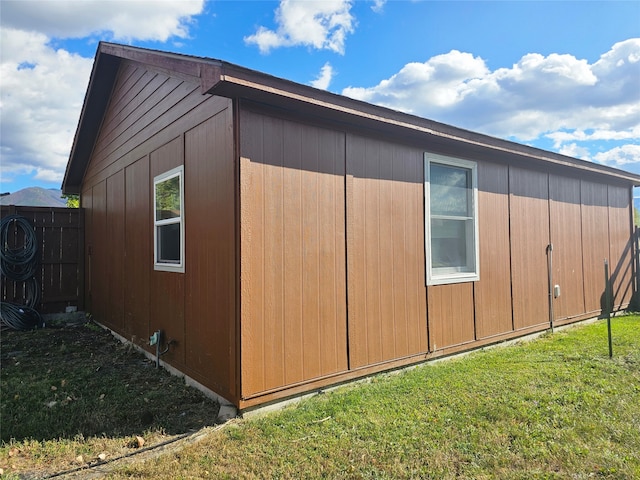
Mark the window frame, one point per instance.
(164, 265)
(448, 275)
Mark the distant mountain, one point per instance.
(35, 197)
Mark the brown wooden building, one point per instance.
(286, 238)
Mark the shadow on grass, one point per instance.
(80, 382)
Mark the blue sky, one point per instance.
(562, 76)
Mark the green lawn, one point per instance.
(555, 407)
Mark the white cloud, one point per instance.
(619, 156)
(122, 20)
(42, 87)
(320, 24)
(561, 137)
(41, 98)
(324, 77)
(576, 151)
(378, 5)
(558, 96)
(441, 82)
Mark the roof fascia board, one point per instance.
(205, 70)
(101, 81)
(225, 79)
(238, 82)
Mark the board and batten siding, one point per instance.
(333, 255)
(620, 245)
(529, 220)
(153, 123)
(594, 214)
(115, 238)
(492, 294)
(305, 248)
(210, 278)
(566, 233)
(385, 249)
(167, 312)
(138, 251)
(293, 292)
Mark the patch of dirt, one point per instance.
(96, 398)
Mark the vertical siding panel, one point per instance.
(385, 255)
(100, 255)
(210, 252)
(331, 253)
(372, 253)
(620, 245)
(304, 333)
(253, 256)
(566, 230)
(293, 259)
(273, 254)
(492, 293)
(416, 261)
(387, 299)
(450, 315)
(595, 242)
(529, 217)
(138, 250)
(115, 239)
(356, 253)
(86, 202)
(399, 264)
(338, 242)
(167, 288)
(311, 247)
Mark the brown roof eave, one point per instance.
(229, 80)
(206, 70)
(101, 81)
(237, 82)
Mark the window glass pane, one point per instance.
(168, 237)
(168, 198)
(449, 244)
(449, 187)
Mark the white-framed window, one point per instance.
(451, 219)
(168, 220)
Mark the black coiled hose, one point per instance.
(19, 317)
(19, 265)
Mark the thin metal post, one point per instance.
(550, 281)
(607, 300)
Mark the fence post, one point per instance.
(635, 298)
(607, 302)
(81, 269)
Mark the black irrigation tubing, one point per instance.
(20, 264)
(32, 292)
(19, 317)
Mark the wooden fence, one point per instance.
(60, 272)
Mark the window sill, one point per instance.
(168, 268)
(461, 278)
